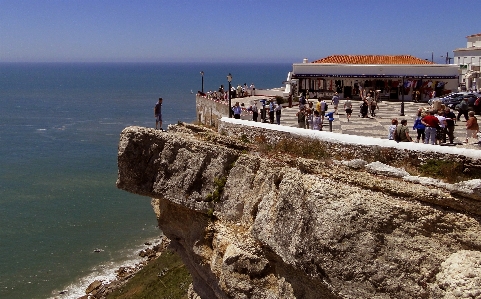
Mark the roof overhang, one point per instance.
(300, 76)
(426, 71)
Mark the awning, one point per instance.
(299, 76)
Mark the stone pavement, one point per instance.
(374, 126)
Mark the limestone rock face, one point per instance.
(249, 226)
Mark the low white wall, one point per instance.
(350, 146)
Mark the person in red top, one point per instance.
(431, 122)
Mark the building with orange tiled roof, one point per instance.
(469, 61)
(372, 59)
(388, 76)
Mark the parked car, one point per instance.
(471, 97)
(449, 98)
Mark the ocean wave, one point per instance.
(105, 272)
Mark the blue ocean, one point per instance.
(59, 131)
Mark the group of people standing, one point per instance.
(271, 108)
(369, 104)
(433, 127)
(235, 92)
(313, 118)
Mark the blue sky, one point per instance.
(230, 31)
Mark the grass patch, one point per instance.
(219, 184)
(244, 138)
(449, 171)
(164, 277)
(306, 148)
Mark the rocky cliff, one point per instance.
(252, 224)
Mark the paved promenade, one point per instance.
(373, 126)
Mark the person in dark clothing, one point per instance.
(419, 127)
(450, 118)
(271, 111)
(255, 113)
(158, 114)
(463, 109)
(364, 108)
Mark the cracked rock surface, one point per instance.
(284, 227)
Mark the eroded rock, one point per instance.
(294, 230)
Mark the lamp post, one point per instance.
(402, 98)
(229, 79)
(202, 74)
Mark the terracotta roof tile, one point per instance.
(372, 59)
(474, 35)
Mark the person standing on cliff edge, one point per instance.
(158, 114)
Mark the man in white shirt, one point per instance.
(441, 131)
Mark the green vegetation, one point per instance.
(306, 148)
(219, 188)
(164, 277)
(449, 171)
(244, 138)
(210, 213)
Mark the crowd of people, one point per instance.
(270, 111)
(434, 127)
(235, 92)
(431, 126)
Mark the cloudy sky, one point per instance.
(228, 30)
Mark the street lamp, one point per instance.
(202, 74)
(229, 79)
(402, 98)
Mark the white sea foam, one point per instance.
(103, 272)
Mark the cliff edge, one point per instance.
(253, 225)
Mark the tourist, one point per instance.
(302, 101)
(301, 118)
(472, 127)
(316, 122)
(392, 129)
(450, 118)
(237, 110)
(335, 102)
(255, 113)
(278, 113)
(239, 91)
(221, 90)
(158, 114)
(323, 110)
(417, 96)
(348, 108)
(463, 109)
(402, 132)
(441, 129)
(309, 114)
(364, 108)
(369, 99)
(373, 106)
(253, 89)
(271, 111)
(318, 106)
(431, 122)
(419, 127)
